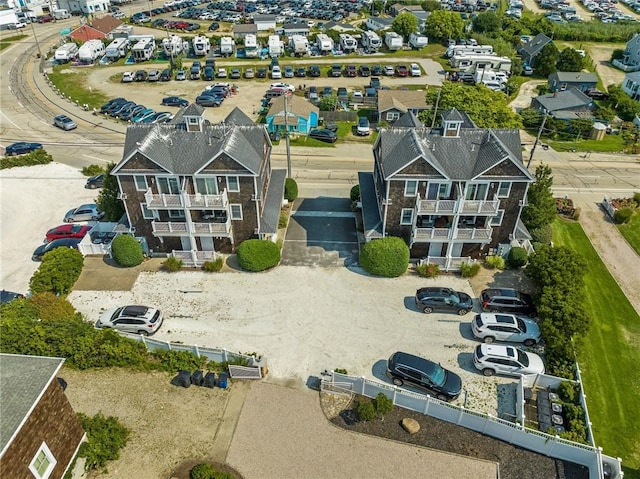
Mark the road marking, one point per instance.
(95, 158)
(7, 118)
(332, 214)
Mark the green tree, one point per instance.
(489, 109)
(546, 60)
(430, 5)
(549, 266)
(531, 117)
(541, 207)
(606, 113)
(108, 198)
(58, 272)
(581, 126)
(569, 60)
(487, 22)
(444, 24)
(328, 103)
(405, 24)
(387, 257)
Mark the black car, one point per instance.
(140, 75)
(214, 26)
(301, 72)
(377, 70)
(21, 148)
(95, 182)
(406, 368)
(446, 300)
(165, 75)
(41, 250)
(336, 70)
(327, 136)
(8, 296)
(314, 71)
(365, 71)
(596, 94)
(261, 73)
(174, 101)
(507, 300)
(209, 100)
(208, 74)
(111, 103)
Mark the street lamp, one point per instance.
(37, 42)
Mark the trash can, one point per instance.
(222, 380)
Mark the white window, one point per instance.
(504, 189)
(141, 182)
(193, 120)
(236, 212)
(43, 463)
(176, 213)
(147, 214)
(233, 183)
(207, 185)
(407, 216)
(392, 115)
(410, 188)
(438, 191)
(168, 185)
(497, 219)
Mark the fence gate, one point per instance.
(245, 372)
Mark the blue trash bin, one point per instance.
(222, 380)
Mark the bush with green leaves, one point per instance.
(636, 198)
(354, 194)
(106, 436)
(495, 262)
(365, 410)
(469, 270)
(569, 392)
(213, 266)
(379, 406)
(172, 264)
(36, 157)
(428, 270)
(388, 257)
(290, 189)
(622, 216)
(258, 255)
(58, 272)
(543, 234)
(208, 471)
(283, 219)
(126, 251)
(92, 170)
(517, 257)
(174, 361)
(382, 404)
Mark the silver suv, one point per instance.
(497, 359)
(88, 212)
(132, 319)
(492, 327)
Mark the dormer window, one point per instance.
(452, 128)
(194, 123)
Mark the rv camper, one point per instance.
(250, 45)
(275, 46)
(117, 49)
(418, 41)
(393, 41)
(90, 51)
(472, 63)
(201, 45)
(299, 45)
(144, 50)
(324, 43)
(172, 45)
(66, 52)
(226, 46)
(370, 41)
(348, 43)
(468, 50)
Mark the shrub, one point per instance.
(172, 264)
(636, 198)
(354, 194)
(202, 471)
(387, 257)
(258, 255)
(568, 392)
(126, 251)
(517, 257)
(428, 270)
(59, 271)
(365, 410)
(495, 262)
(36, 157)
(340, 371)
(469, 270)
(382, 404)
(174, 361)
(283, 219)
(49, 307)
(92, 170)
(290, 189)
(105, 437)
(213, 266)
(543, 235)
(622, 216)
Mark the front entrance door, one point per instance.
(206, 243)
(186, 243)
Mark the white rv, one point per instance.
(348, 43)
(484, 76)
(469, 49)
(393, 41)
(299, 45)
(172, 45)
(250, 45)
(275, 46)
(144, 50)
(90, 51)
(201, 45)
(472, 63)
(61, 14)
(226, 46)
(117, 49)
(418, 40)
(324, 43)
(371, 41)
(66, 52)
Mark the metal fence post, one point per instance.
(195, 346)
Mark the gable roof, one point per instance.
(537, 43)
(573, 77)
(408, 120)
(296, 105)
(244, 28)
(295, 26)
(453, 114)
(238, 117)
(401, 100)
(338, 25)
(563, 100)
(384, 22)
(23, 380)
(264, 18)
(105, 24)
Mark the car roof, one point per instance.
(413, 361)
(134, 310)
(509, 292)
(498, 318)
(498, 350)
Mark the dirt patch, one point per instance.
(101, 273)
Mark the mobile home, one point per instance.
(471, 63)
(144, 50)
(468, 50)
(117, 49)
(417, 40)
(90, 51)
(370, 41)
(201, 45)
(250, 45)
(66, 52)
(324, 43)
(393, 41)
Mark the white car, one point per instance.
(127, 77)
(222, 73)
(389, 70)
(132, 319)
(17, 25)
(497, 359)
(276, 73)
(415, 70)
(282, 86)
(490, 327)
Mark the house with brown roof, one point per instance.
(40, 433)
(96, 29)
(301, 115)
(392, 104)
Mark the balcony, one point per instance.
(428, 207)
(471, 235)
(184, 200)
(480, 207)
(459, 206)
(194, 258)
(212, 229)
(171, 228)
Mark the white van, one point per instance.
(415, 70)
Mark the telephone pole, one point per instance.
(535, 143)
(435, 112)
(286, 133)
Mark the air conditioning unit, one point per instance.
(122, 196)
(522, 203)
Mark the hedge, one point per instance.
(387, 257)
(258, 255)
(58, 272)
(290, 189)
(126, 251)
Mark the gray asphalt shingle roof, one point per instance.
(563, 100)
(537, 43)
(22, 381)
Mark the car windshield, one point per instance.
(523, 358)
(439, 375)
(454, 298)
(116, 314)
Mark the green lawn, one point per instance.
(609, 357)
(631, 232)
(73, 85)
(608, 144)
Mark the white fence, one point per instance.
(254, 369)
(447, 263)
(540, 442)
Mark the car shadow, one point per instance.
(465, 331)
(465, 361)
(379, 371)
(410, 304)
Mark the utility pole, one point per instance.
(535, 143)
(435, 112)
(37, 43)
(286, 133)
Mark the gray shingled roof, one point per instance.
(184, 152)
(408, 119)
(22, 381)
(564, 100)
(238, 117)
(572, 77)
(536, 44)
(273, 203)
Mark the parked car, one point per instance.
(261, 73)
(282, 86)
(350, 71)
(235, 73)
(276, 73)
(377, 70)
(95, 182)
(222, 73)
(499, 359)
(415, 70)
(88, 212)
(209, 100)
(336, 70)
(154, 75)
(128, 77)
(208, 74)
(327, 136)
(174, 101)
(214, 26)
(596, 94)
(249, 73)
(140, 75)
(132, 319)
(331, 126)
(434, 298)
(363, 128)
(111, 103)
(181, 75)
(364, 71)
(314, 71)
(301, 72)
(507, 300)
(389, 71)
(406, 368)
(289, 72)
(490, 327)
(64, 122)
(402, 71)
(21, 148)
(165, 75)
(41, 250)
(67, 231)
(8, 296)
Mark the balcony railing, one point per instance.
(170, 228)
(480, 207)
(436, 206)
(421, 235)
(447, 263)
(184, 200)
(193, 257)
(220, 229)
(460, 206)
